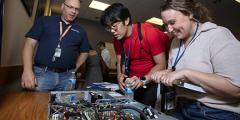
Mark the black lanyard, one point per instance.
(127, 57)
(179, 57)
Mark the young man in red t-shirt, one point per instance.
(136, 58)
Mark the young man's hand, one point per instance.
(121, 77)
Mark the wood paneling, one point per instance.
(8, 74)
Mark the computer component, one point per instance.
(98, 105)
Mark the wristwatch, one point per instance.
(143, 79)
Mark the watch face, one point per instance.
(142, 78)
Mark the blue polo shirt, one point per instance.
(46, 31)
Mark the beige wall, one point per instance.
(95, 32)
(16, 23)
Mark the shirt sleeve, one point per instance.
(84, 46)
(158, 40)
(36, 30)
(225, 55)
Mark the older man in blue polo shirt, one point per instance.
(62, 48)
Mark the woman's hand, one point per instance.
(158, 76)
(167, 77)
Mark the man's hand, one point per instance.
(28, 80)
(136, 82)
(121, 83)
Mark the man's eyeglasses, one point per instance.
(71, 7)
(114, 26)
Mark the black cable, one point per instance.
(65, 104)
(96, 113)
(142, 115)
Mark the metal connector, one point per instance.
(178, 83)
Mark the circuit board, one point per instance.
(98, 105)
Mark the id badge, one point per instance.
(58, 52)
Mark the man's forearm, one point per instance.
(160, 61)
(27, 54)
(153, 70)
(81, 59)
(119, 67)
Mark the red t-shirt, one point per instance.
(154, 42)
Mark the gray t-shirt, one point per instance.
(106, 56)
(215, 50)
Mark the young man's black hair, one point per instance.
(116, 12)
